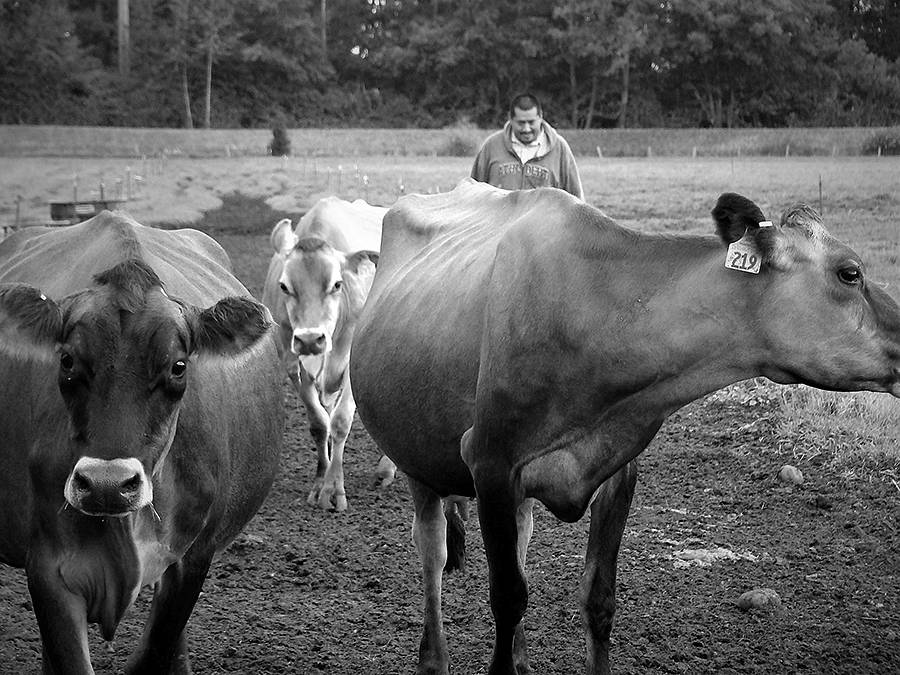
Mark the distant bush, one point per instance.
(457, 146)
(281, 144)
(887, 141)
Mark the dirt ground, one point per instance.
(312, 592)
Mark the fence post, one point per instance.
(820, 195)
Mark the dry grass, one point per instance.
(858, 433)
(46, 141)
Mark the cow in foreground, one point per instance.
(522, 345)
(318, 280)
(139, 428)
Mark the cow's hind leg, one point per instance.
(609, 511)
(384, 472)
(163, 645)
(429, 535)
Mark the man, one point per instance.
(527, 153)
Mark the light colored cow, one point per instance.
(522, 345)
(317, 283)
(129, 453)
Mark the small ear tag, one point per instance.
(743, 256)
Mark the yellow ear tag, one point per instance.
(743, 255)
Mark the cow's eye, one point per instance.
(284, 288)
(850, 275)
(338, 285)
(179, 368)
(66, 362)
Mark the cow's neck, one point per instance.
(667, 333)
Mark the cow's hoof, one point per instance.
(384, 473)
(332, 500)
(313, 498)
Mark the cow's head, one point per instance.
(823, 321)
(321, 287)
(124, 353)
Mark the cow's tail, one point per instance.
(456, 510)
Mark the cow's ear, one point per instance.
(230, 326)
(282, 237)
(30, 322)
(735, 215)
(354, 260)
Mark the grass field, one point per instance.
(46, 141)
(858, 196)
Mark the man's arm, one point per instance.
(481, 165)
(571, 180)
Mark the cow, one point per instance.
(139, 428)
(521, 346)
(317, 282)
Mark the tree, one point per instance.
(598, 40)
(43, 67)
(741, 62)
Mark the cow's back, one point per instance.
(347, 226)
(59, 260)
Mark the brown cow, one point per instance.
(522, 345)
(316, 285)
(139, 428)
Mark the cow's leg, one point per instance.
(62, 620)
(320, 429)
(609, 511)
(430, 537)
(163, 645)
(525, 528)
(501, 516)
(332, 493)
(384, 472)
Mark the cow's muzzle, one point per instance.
(309, 342)
(113, 487)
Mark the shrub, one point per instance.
(888, 141)
(281, 144)
(457, 146)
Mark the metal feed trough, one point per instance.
(62, 213)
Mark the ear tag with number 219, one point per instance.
(743, 255)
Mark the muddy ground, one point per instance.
(307, 591)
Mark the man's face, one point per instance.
(526, 124)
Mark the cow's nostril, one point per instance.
(81, 482)
(133, 484)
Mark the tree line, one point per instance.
(434, 63)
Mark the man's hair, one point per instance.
(525, 101)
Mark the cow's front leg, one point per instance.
(61, 617)
(609, 511)
(332, 493)
(319, 428)
(430, 537)
(163, 646)
(502, 516)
